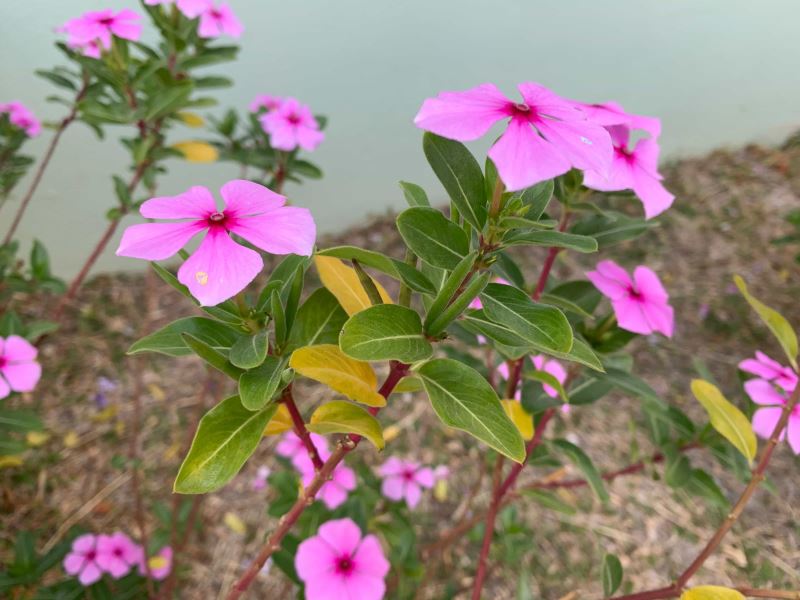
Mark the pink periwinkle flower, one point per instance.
(92, 31)
(404, 480)
(554, 368)
(772, 400)
(265, 102)
(640, 303)
(293, 448)
(160, 564)
(19, 371)
(220, 268)
(260, 480)
(338, 564)
(82, 560)
(503, 371)
(190, 8)
(218, 20)
(771, 370)
(632, 168)
(546, 135)
(292, 125)
(117, 554)
(20, 116)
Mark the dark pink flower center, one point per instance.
(216, 219)
(91, 555)
(117, 552)
(3, 361)
(216, 14)
(408, 475)
(634, 293)
(522, 111)
(294, 119)
(107, 21)
(344, 565)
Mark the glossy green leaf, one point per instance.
(339, 416)
(451, 285)
(460, 175)
(385, 332)
(553, 239)
(168, 340)
(471, 291)
(226, 437)
(319, 321)
(776, 322)
(582, 461)
(537, 197)
(463, 399)
(414, 194)
(249, 351)
(258, 386)
(612, 574)
(431, 236)
(610, 228)
(210, 355)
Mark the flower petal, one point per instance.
(342, 535)
(195, 203)
(18, 349)
(764, 393)
(793, 433)
(424, 477)
(314, 555)
(547, 102)
(413, 494)
(245, 198)
(611, 279)
(157, 241)
(463, 115)
(391, 466)
(523, 158)
(630, 315)
(285, 230)
(308, 138)
(91, 574)
(219, 269)
(23, 376)
(649, 285)
(660, 316)
(5, 389)
(393, 488)
(584, 144)
(619, 177)
(765, 420)
(370, 557)
(73, 563)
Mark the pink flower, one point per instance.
(160, 564)
(260, 480)
(765, 419)
(220, 268)
(503, 371)
(218, 20)
(609, 114)
(20, 116)
(291, 125)
(117, 554)
(771, 370)
(82, 560)
(19, 371)
(92, 31)
(633, 169)
(190, 8)
(265, 102)
(554, 368)
(441, 472)
(546, 135)
(404, 479)
(293, 448)
(334, 492)
(640, 304)
(338, 564)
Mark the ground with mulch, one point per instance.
(730, 205)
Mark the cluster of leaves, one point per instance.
(13, 164)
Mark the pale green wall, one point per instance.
(718, 72)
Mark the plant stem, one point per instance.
(48, 155)
(300, 428)
(755, 480)
(397, 371)
(497, 196)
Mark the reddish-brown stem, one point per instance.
(755, 480)
(300, 427)
(48, 155)
(397, 371)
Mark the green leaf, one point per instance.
(392, 267)
(226, 311)
(728, 420)
(460, 175)
(168, 100)
(549, 500)
(777, 324)
(385, 332)
(214, 358)
(414, 194)
(21, 420)
(629, 383)
(610, 228)
(431, 236)
(339, 416)
(546, 378)
(55, 78)
(537, 197)
(463, 399)
(612, 574)
(226, 437)
(581, 460)
(471, 291)
(319, 320)
(702, 484)
(544, 326)
(258, 386)
(168, 340)
(249, 351)
(553, 239)
(449, 288)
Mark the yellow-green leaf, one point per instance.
(726, 418)
(777, 324)
(281, 421)
(343, 417)
(711, 592)
(520, 417)
(194, 151)
(342, 281)
(8, 461)
(234, 523)
(191, 119)
(327, 364)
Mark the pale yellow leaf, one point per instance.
(342, 281)
(440, 490)
(234, 523)
(711, 592)
(327, 364)
(71, 439)
(195, 151)
(156, 392)
(728, 420)
(108, 413)
(520, 417)
(391, 432)
(6, 462)
(36, 438)
(191, 119)
(280, 422)
(157, 562)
